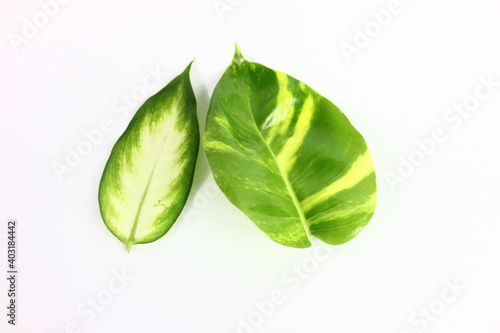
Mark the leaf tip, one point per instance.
(188, 68)
(238, 57)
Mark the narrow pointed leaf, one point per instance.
(288, 157)
(148, 176)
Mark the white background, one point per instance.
(440, 223)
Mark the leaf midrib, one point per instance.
(283, 175)
(131, 239)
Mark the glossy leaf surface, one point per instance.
(288, 157)
(149, 174)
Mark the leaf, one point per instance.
(287, 157)
(149, 174)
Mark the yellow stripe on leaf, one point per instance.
(362, 167)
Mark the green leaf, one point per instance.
(287, 157)
(149, 174)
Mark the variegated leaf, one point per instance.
(148, 176)
(287, 157)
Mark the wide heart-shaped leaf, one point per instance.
(287, 157)
(149, 174)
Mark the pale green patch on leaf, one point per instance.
(149, 174)
(288, 157)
